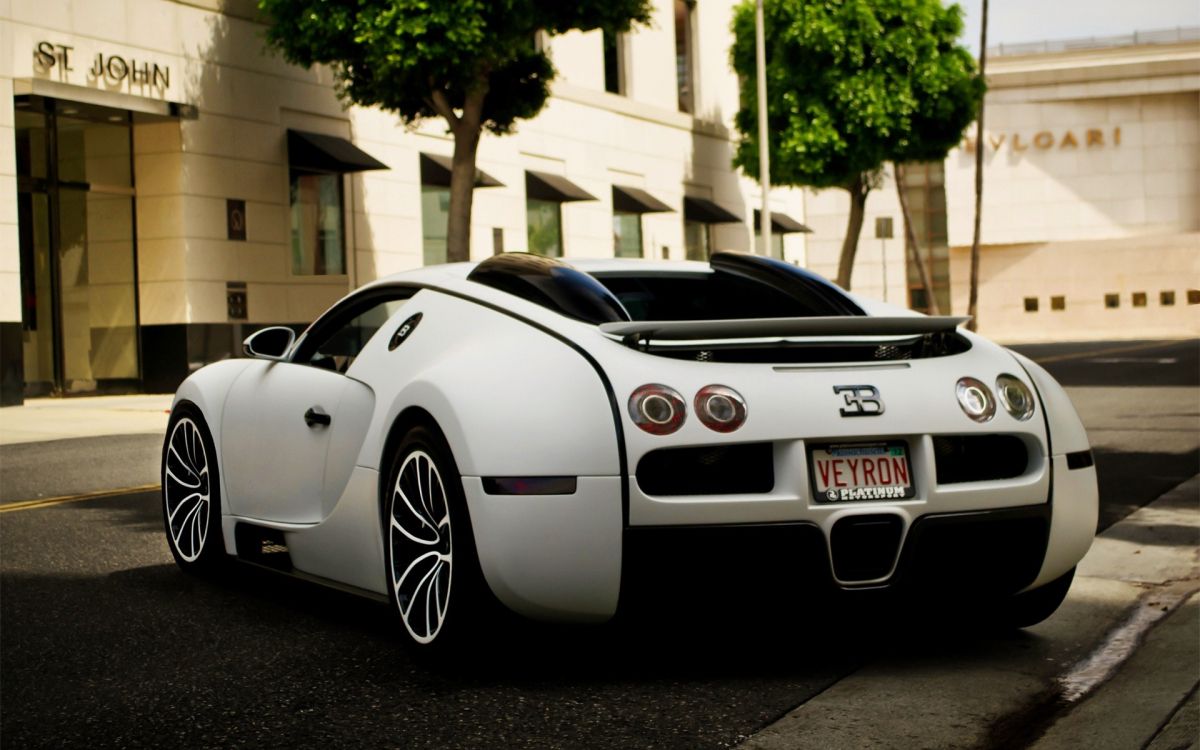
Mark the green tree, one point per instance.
(474, 63)
(853, 84)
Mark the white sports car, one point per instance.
(556, 435)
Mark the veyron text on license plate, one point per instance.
(861, 471)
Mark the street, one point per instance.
(105, 643)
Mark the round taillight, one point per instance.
(657, 409)
(1015, 396)
(720, 408)
(975, 399)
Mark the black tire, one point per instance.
(434, 580)
(1031, 607)
(191, 493)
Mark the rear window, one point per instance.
(707, 296)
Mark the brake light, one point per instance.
(720, 408)
(657, 409)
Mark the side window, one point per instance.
(336, 346)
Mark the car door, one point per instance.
(292, 430)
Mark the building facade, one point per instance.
(1091, 203)
(167, 185)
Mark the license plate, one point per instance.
(857, 472)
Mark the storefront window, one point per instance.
(77, 247)
(317, 247)
(627, 235)
(544, 219)
(435, 220)
(695, 240)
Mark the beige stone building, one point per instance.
(166, 185)
(1091, 211)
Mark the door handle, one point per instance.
(312, 417)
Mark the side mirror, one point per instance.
(270, 343)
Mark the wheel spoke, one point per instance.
(417, 588)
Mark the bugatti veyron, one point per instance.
(549, 436)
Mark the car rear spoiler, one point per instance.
(636, 332)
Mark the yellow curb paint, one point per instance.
(45, 501)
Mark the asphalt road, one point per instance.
(105, 643)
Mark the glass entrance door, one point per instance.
(78, 264)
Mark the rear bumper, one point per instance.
(571, 557)
(984, 554)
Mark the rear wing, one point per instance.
(634, 333)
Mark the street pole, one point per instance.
(764, 159)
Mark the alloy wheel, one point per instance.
(187, 491)
(421, 547)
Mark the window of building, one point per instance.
(435, 204)
(781, 224)
(1112, 300)
(776, 243)
(627, 234)
(629, 203)
(1058, 303)
(318, 162)
(614, 63)
(699, 214)
(435, 220)
(544, 195)
(1031, 304)
(924, 189)
(1139, 299)
(1194, 296)
(317, 246)
(685, 44)
(696, 240)
(1166, 299)
(544, 221)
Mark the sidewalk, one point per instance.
(42, 419)
(1116, 666)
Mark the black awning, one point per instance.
(780, 223)
(632, 200)
(707, 212)
(435, 170)
(542, 186)
(315, 152)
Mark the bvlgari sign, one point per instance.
(105, 69)
(1045, 140)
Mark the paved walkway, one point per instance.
(43, 419)
(1128, 631)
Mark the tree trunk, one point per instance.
(973, 301)
(462, 195)
(858, 190)
(466, 128)
(914, 249)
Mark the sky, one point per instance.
(1015, 21)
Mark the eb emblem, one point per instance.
(861, 400)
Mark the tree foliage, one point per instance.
(474, 63)
(853, 84)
